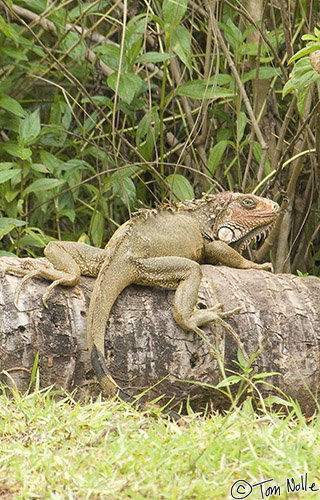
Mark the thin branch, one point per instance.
(238, 80)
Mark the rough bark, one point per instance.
(279, 320)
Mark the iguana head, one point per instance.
(236, 218)
(243, 218)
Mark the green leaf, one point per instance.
(51, 162)
(302, 67)
(15, 150)
(35, 5)
(97, 228)
(232, 34)
(134, 38)
(3, 253)
(270, 400)
(43, 185)
(101, 100)
(241, 359)
(68, 213)
(180, 186)
(180, 44)
(110, 55)
(4, 27)
(148, 124)
(15, 53)
(198, 89)
(78, 47)
(148, 128)
(7, 224)
(304, 52)
(39, 167)
(302, 99)
(233, 379)
(84, 6)
(257, 153)
(153, 57)
(124, 188)
(265, 375)
(309, 37)
(287, 88)
(60, 113)
(174, 10)
(301, 79)
(8, 31)
(216, 154)
(11, 105)
(265, 73)
(241, 125)
(130, 85)
(30, 128)
(6, 175)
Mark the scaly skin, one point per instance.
(160, 248)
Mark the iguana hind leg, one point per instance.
(67, 261)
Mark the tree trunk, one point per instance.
(278, 323)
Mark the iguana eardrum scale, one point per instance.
(163, 248)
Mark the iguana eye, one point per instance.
(248, 203)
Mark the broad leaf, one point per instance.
(153, 57)
(16, 150)
(43, 185)
(181, 187)
(29, 128)
(241, 125)
(216, 154)
(304, 52)
(174, 10)
(11, 105)
(129, 85)
(264, 74)
(198, 89)
(125, 189)
(6, 175)
(180, 44)
(7, 224)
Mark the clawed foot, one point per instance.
(266, 266)
(202, 316)
(29, 268)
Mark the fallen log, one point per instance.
(278, 325)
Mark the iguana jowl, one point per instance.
(160, 248)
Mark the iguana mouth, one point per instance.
(255, 235)
(234, 237)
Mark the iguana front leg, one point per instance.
(184, 275)
(218, 251)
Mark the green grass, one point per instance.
(53, 449)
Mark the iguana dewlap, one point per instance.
(163, 248)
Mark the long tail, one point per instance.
(108, 286)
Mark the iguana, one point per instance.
(165, 248)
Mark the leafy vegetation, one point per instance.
(60, 449)
(107, 106)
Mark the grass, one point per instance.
(60, 449)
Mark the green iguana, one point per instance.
(163, 248)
